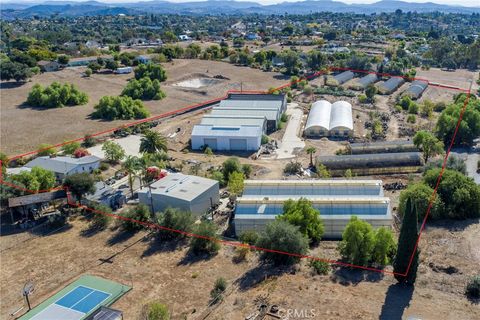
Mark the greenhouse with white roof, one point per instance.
(327, 119)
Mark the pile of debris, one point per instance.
(219, 76)
(269, 147)
(394, 186)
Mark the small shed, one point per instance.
(390, 85)
(339, 79)
(48, 66)
(416, 89)
(364, 82)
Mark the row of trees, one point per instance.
(56, 95)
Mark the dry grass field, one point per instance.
(167, 273)
(23, 128)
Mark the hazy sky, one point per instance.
(469, 3)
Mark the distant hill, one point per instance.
(13, 10)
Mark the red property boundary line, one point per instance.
(155, 226)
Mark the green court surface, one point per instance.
(78, 300)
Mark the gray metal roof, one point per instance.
(383, 147)
(61, 164)
(256, 96)
(416, 88)
(234, 120)
(180, 186)
(227, 131)
(344, 76)
(375, 160)
(368, 79)
(270, 114)
(253, 104)
(391, 84)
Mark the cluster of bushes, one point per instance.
(469, 128)
(35, 179)
(361, 245)
(232, 174)
(458, 196)
(120, 108)
(152, 71)
(335, 91)
(56, 95)
(144, 89)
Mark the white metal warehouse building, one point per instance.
(327, 119)
(223, 138)
(185, 192)
(239, 122)
(337, 201)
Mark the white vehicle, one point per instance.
(124, 70)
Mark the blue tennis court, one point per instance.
(74, 305)
(78, 300)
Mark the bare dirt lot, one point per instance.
(167, 273)
(23, 128)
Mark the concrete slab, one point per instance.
(291, 139)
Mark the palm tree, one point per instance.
(153, 142)
(311, 151)
(131, 165)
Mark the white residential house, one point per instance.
(64, 166)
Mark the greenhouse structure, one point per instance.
(416, 89)
(390, 85)
(339, 79)
(364, 82)
(375, 163)
(337, 200)
(382, 147)
(327, 119)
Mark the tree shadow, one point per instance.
(260, 273)
(11, 84)
(397, 298)
(350, 276)
(158, 245)
(191, 258)
(91, 231)
(120, 236)
(453, 225)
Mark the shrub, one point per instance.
(144, 89)
(70, 147)
(81, 152)
(439, 106)
(473, 288)
(99, 220)
(384, 248)
(104, 166)
(249, 236)
(56, 96)
(411, 118)
(302, 214)
(46, 149)
(320, 267)
(322, 171)
(247, 170)
(282, 236)
(139, 213)
(89, 141)
(413, 108)
(420, 194)
(175, 219)
(113, 151)
(241, 253)
(230, 165)
(156, 311)
(293, 168)
(152, 71)
(362, 98)
(284, 117)
(357, 242)
(218, 289)
(208, 244)
(236, 183)
(265, 139)
(120, 108)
